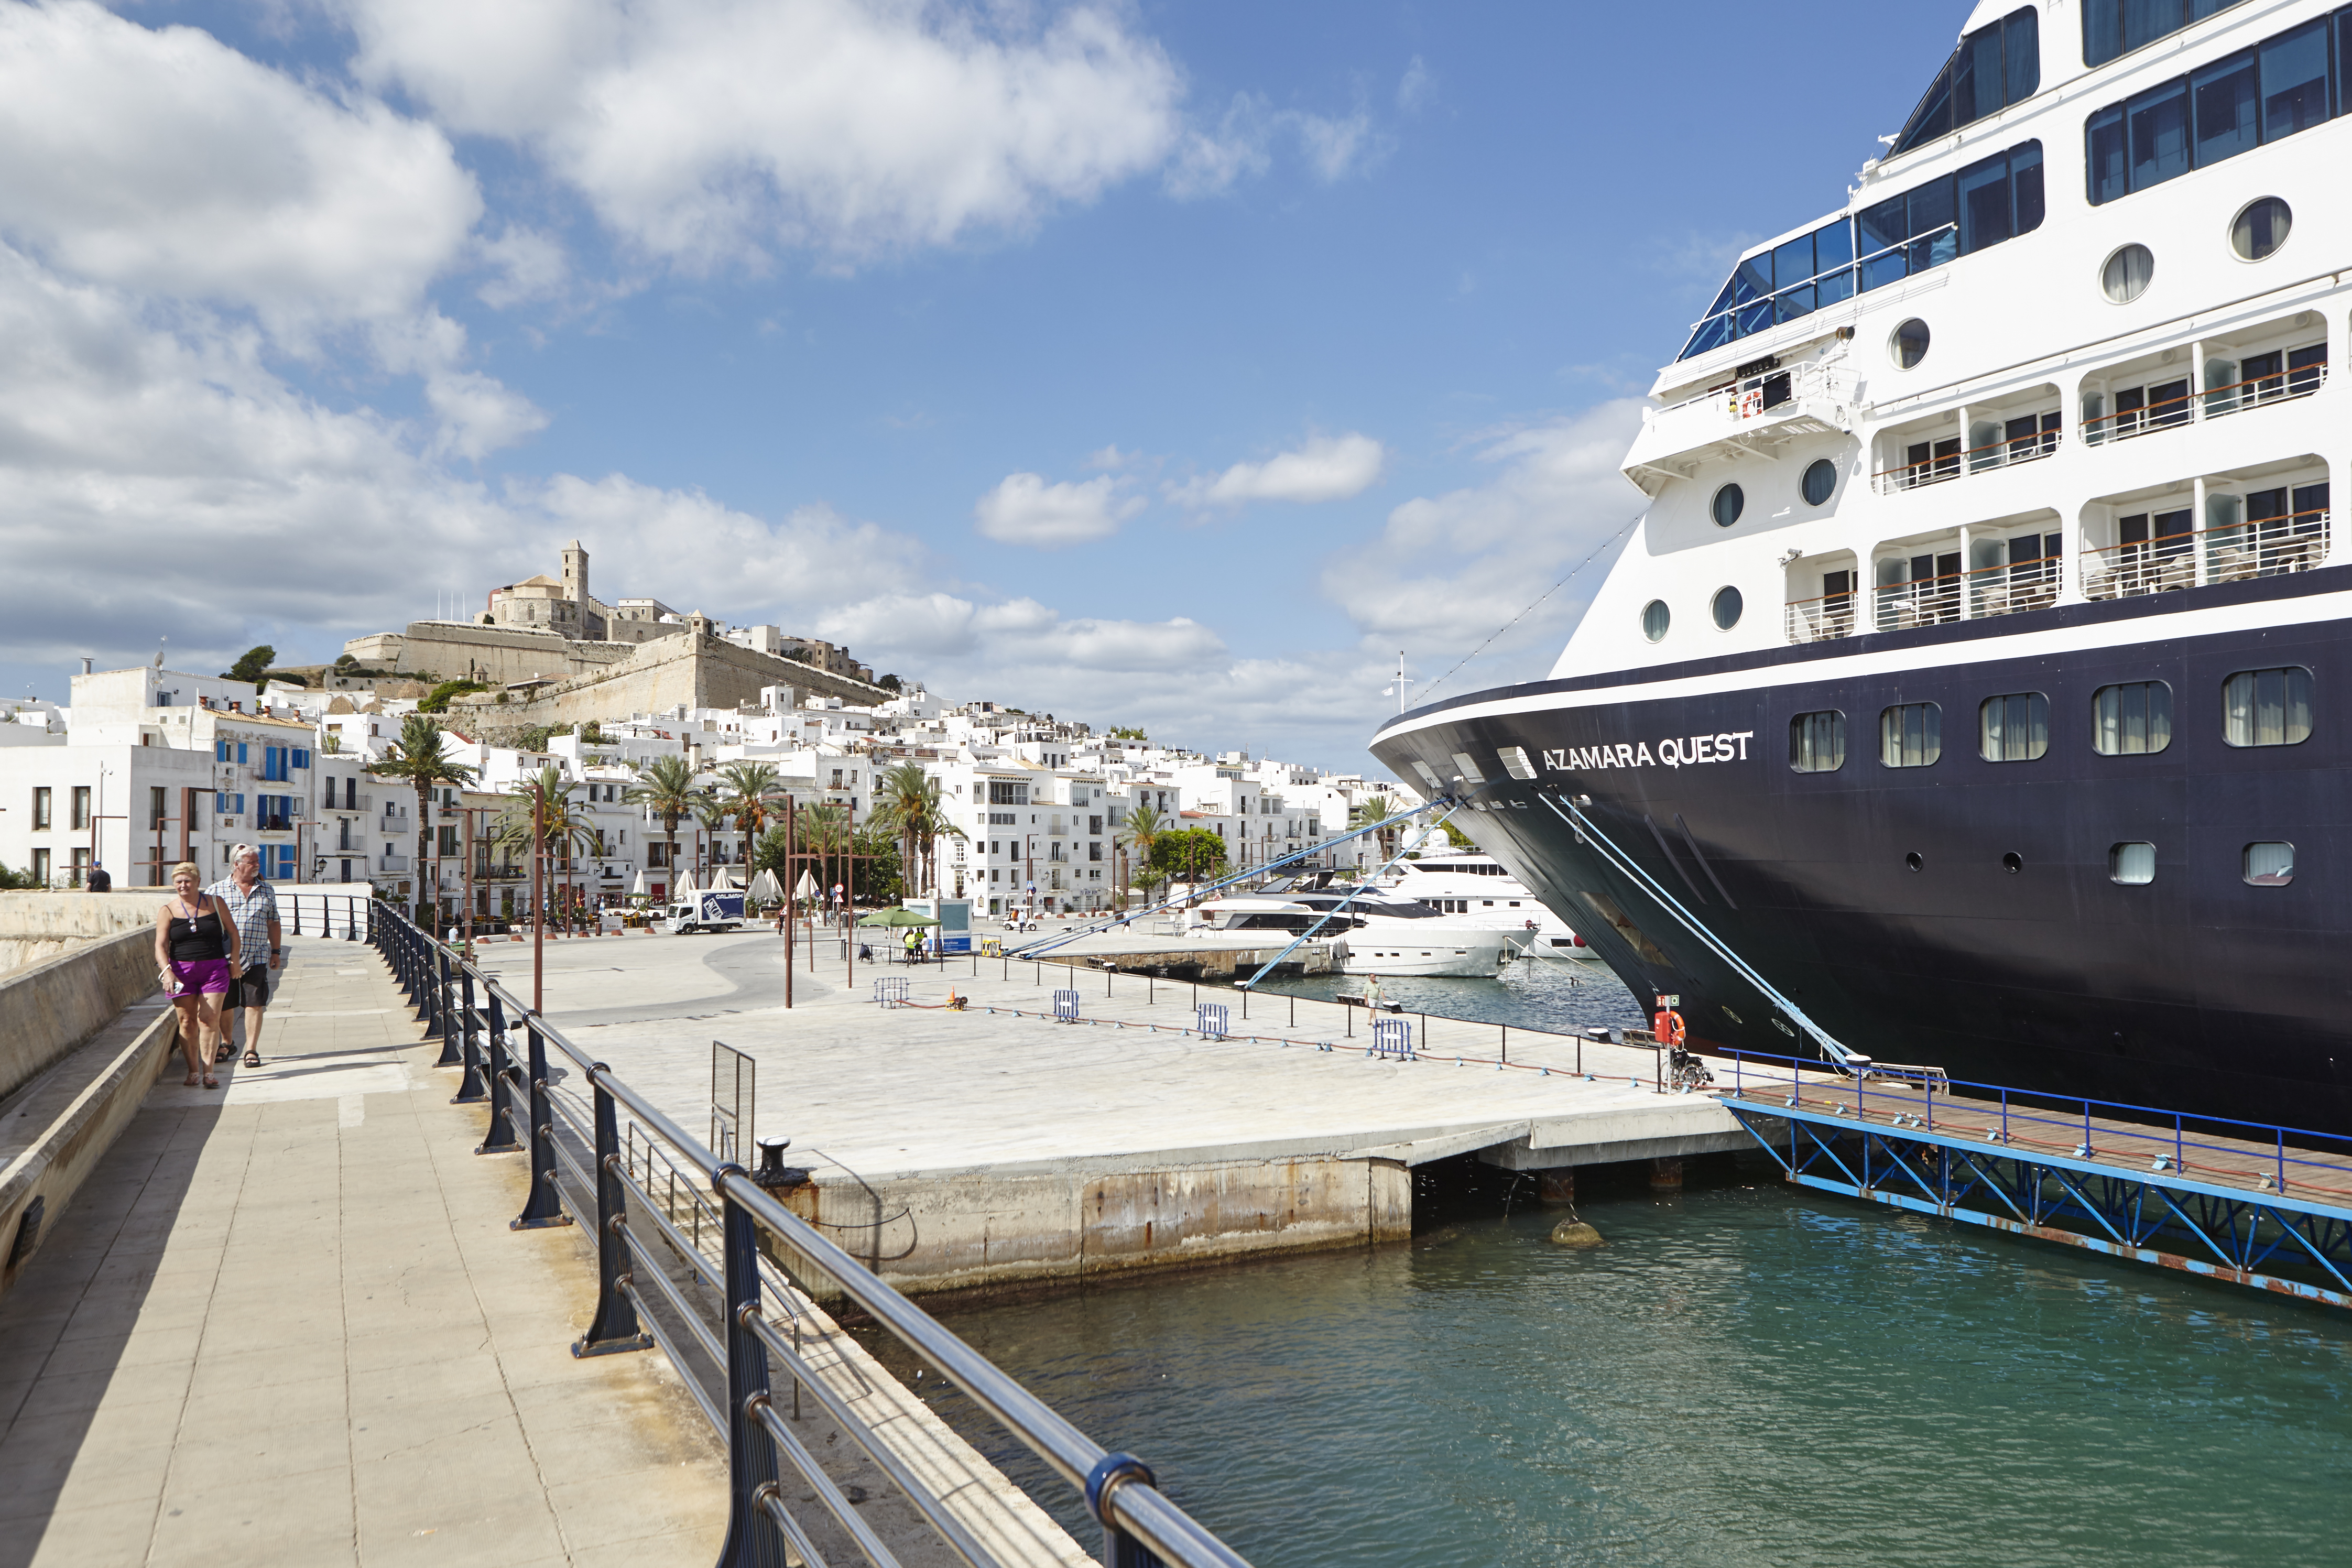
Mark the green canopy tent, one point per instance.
(894, 918)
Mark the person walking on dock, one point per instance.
(195, 949)
(251, 903)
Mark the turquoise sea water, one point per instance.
(1746, 1374)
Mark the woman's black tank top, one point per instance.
(194, 941)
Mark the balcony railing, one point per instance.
(1818, 620)
(395, 864)
(1921, 601)
(2005, 453)
(2213, 403)
(2014, 589)
(2230, 552)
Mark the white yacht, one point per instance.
(1481, 889)
(1379, 932)
(2037, 773)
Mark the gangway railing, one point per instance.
(688, 1270)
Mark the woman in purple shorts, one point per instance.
(195, 950)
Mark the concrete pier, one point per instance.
(995, 1146)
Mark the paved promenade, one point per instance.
(290, 1326)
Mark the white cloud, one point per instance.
(167, 162)
(1448, 570)
(1325, 468)
(1415, 88)
(712, 130)
(530, 265)
(1209, 162)
(1025, 509)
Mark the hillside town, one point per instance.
(1022, 814)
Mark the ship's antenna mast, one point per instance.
(1402, 681)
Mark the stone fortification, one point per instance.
(493, 654)
(691, 669)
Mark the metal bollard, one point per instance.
(500, 1139)
(752, 1538)
(545, 1205)
(469, 1087)
(615, 1327)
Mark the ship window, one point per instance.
(1993, 67)
(2268, 865)
(2128, 274)
(2261, 229)
(1817, 743)
(1820, 482)
(2014, 728)
(2267, 707)
(2131, 721)
(1655, 618)
(2132, 865)
(1726, 506)
(1909, 344)
(1911, 735)
(2111, 27)
(1726, 606)
(2252, 98)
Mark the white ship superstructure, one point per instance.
(1979, 670)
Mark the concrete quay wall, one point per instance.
(991, 1229)
(37, 926)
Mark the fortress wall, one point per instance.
(699, 671)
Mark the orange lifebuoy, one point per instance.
(1667, 1027)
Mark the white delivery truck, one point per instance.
(721, 910)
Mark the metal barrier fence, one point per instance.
(1209, 1018)
(327, 918)
(662, 1205)
(1393, 1037)
(1066, 1006)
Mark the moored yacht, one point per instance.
(1477, 888)
(1973, 675)
(1380, 932)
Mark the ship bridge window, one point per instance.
(2250, 98)
(2013, 727)
(2113, 27)
(2267, 707)
(1817, 743)
(2131, 721)
(1994, 199)
(1793, 278)
(1993, 67)
(1911, 735)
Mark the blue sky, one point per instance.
(1149, 364)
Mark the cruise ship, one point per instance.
(1970, 684)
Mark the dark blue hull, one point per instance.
(2008, 954)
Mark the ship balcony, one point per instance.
(2002, 567)
(1753, 413)
(2265, 366)
(1970, 440)
(2265, 522)
(1822, 601)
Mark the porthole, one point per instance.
(2012, 862)
(1726, 606)
(1726, 506)
(1908, 346)
(1655, 618)
(2132, 865)
(2127, 273)
(2260, 229)
(1820, 482)
(1915, 860)
(2268, 865)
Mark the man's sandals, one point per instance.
(253, 1059)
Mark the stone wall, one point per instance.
(35, 927)
(697, 671)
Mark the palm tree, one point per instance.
(416, 757)
(1139, 834)
(543, 816)
(711, 812)
(907, 803)
(754, 794)
(665, 787)
(1376, 808)
(823, 831)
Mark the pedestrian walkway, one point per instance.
(289, 1324)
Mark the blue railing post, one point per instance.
(1121, 1549)
(615, 1327)
(752, 1538)
(500, 1139)
(469, 1087)
(545, 1205)
(452, 1023)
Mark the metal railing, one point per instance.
(2228, 552)
(2214, 403)
(1937, 467)
(1920, 602)
(1819, 620)
(680, 1264)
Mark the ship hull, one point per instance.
(2197, 992)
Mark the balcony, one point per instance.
(1756, 413)
(2266, 522)
(2256, 371)
(1978, 439)
(392, 865)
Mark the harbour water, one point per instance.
(1541, 993)
(1745, 1374)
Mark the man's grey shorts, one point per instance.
(250, 989)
